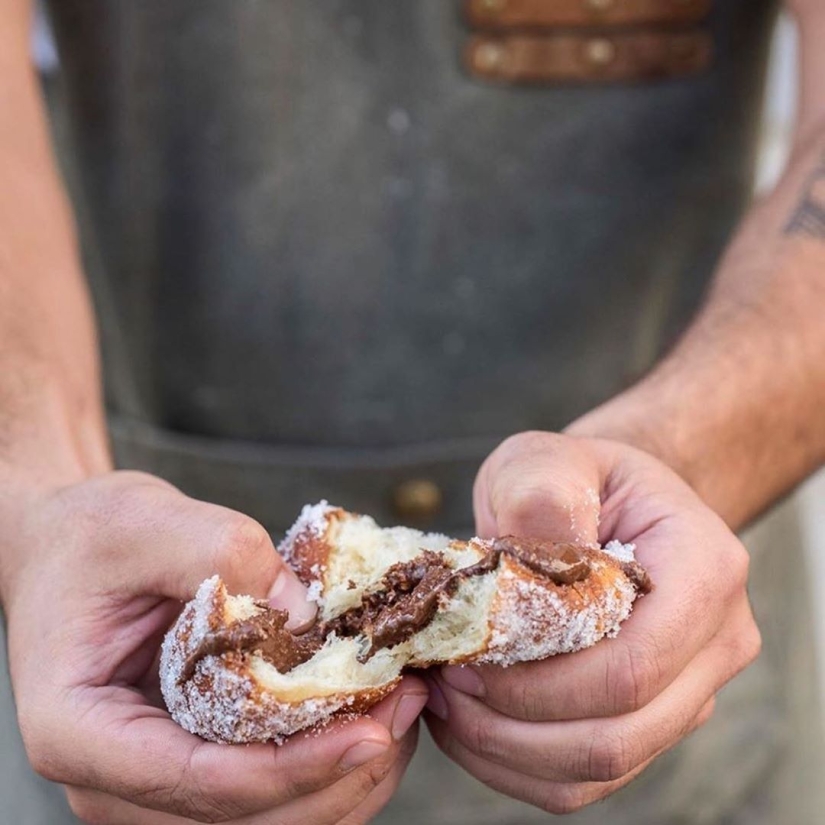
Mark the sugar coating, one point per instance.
(530, 618)
(621, 552)
(534, 618)
(224, 704)
(314, 591)
(311, 523)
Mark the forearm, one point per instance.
(51, 423)
(737, 407)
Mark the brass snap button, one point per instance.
(488, 56)
(599, 52)
(599, 5)
(417, 501)
(492, 6)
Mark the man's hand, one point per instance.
(570, 730)
(105, 567)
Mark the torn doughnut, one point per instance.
(388, 599)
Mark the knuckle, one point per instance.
(43, 766)
(526, 442)
(129, 496)
(482, 738)
(737, 565)
(41, 755)
(521, 503)
(745, 646)
(102, 513)
(610, 758)
(241, 541)
(200, 807)
(303, 783)
(140, 478)
(87, 807)
(562, 800)
(189, 795)
(523, 698)
(631, 677)
(752, 643)
(705, 714)
(371, 776)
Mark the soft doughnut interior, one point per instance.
(334, 669)
(461, 628)
(359, 556)
(361, 552)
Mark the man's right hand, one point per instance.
(93, 576)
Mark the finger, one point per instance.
(91, 806)
(344, 803)
(140, 755)
(351, 800)
(598, 750)
(377, 800)
(369, 788)
(357, 797)
(554, 797)
(542, 485)
(696, 592)
(160, 542)
(152, 762)
(399, 711)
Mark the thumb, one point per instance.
(242, 553)
(163, 543)
(540, 485)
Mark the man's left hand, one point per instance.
(570, 730)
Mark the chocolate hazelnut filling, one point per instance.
(404, 602)
(266, 634)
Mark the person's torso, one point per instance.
(332, 254)
(318, 227)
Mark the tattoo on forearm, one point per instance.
(809, 216)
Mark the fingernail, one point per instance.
(362, 753)
(463, 678)
(436, 703)
(287, 593)
(406, 712)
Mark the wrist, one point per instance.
(641, 419)
(52, 449)
(52, 440)
(630, 419)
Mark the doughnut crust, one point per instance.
(388, 599)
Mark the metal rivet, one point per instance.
(489, 56)
(416, 501)
(599, 52)
(599, 5)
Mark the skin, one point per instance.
(94, 564)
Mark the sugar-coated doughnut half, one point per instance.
(513, 613)
(388, 599)
(238, 696)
